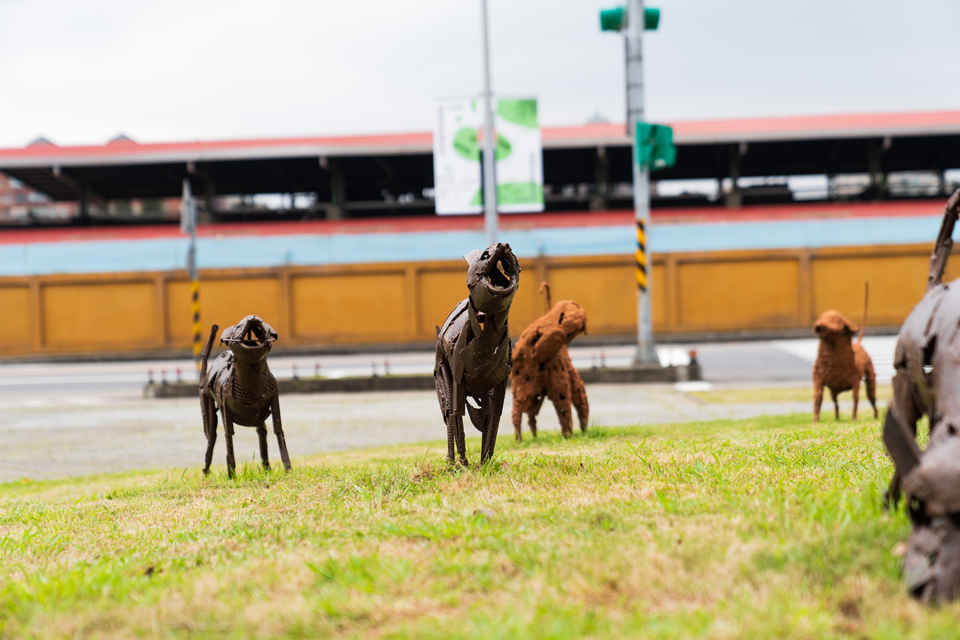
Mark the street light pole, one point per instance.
(489, 159)
(646, 352)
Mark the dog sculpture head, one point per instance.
(492, 278)
(570, 317)
(832, 325)
(250, 340)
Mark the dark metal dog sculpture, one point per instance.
(842, 363)
(542, 368)
(927, 382)
(473, 350)
(240, 385)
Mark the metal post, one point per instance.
(489, 160)
(646, 353)
(188, 224)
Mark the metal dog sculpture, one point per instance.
(240, 385)
(473, 350)
(927, 379)
(542, 368)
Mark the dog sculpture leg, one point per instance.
(856, 397)
(870, 377)
(558, 389)
(517, 416)
(228, 436)
(209, 413)
(817, 399)
(534, 412)
(264, 455)
(900, 434)
(578, 394)
(278, 431)
(494, 411)
(836, 405)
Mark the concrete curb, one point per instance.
(673, 373)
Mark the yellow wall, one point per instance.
(403, 303)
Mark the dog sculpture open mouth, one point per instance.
(501, 276)
(250, 334)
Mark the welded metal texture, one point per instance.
(927, 363)
(239, 384)
(473, 350)
(542, 368)
(842, 364)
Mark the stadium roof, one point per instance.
(381, 172)
(127, 151)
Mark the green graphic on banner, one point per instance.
(457, 161)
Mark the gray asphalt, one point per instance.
(80, 418)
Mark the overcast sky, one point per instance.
(80, 72)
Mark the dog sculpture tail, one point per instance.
(866, 299)
(944, 244)
(545, 289)
(206, 351)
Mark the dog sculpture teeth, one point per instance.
(926, 382)
(473, 350)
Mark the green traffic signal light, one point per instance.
(616, 19)
(613, 19)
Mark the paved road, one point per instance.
(73, 419)
(778, 360)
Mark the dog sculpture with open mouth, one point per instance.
(473, 350)
(239, 384)
(927, 382)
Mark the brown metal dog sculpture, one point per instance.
(473, 350)
(542, 368)
(240, 385)
(927, 382)
(841, 363)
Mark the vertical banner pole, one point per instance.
(489, 159)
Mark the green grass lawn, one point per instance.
(756, 528)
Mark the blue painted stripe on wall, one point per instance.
(266, 251)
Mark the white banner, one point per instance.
(457, 157)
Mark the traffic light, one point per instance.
(655, 146)
(615, 19)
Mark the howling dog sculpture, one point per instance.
(240, 385)
(927, 382)
(473, 350)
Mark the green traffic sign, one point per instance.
(654, 145)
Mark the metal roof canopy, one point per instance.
(402, 163)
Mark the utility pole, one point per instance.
(489, 159)
(632, 21)
(188, 225)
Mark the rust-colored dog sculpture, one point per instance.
(542, 368)
(473, 350)
(927, 382)
(240, 385)
(841, 363)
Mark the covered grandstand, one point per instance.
(588, 167)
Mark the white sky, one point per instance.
(82, 71)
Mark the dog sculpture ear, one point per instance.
(849, 328)
(819, 328)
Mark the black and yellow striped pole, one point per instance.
(641, 262)
(188, 224)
